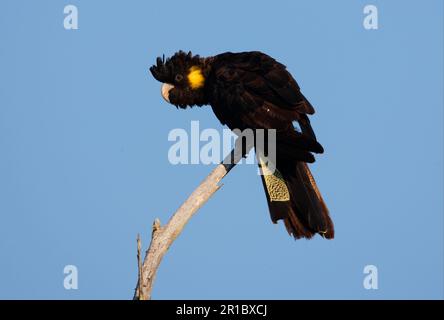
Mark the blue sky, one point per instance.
(84, 166)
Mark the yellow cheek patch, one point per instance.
(196, 78)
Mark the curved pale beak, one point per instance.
(166, 87)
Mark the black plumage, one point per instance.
(251, 90)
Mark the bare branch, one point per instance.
(163, 236)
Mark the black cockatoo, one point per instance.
(251, 90)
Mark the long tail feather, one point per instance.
(293, 196)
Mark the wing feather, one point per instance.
(253, 82)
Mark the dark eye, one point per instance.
(178, 77)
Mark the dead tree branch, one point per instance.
(164, 236)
